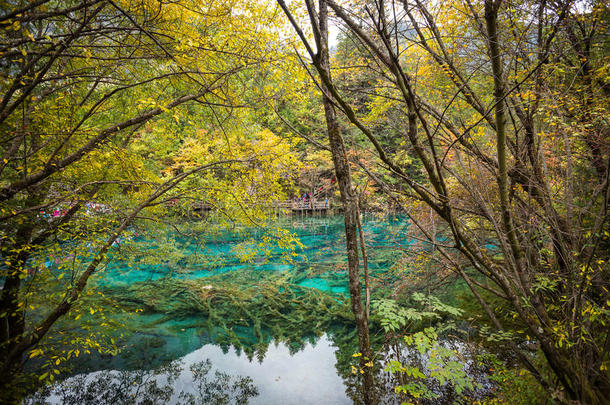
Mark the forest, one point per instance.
(305, 201)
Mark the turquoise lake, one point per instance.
(309, 365)
(322, 252)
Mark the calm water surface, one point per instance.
(306, 373)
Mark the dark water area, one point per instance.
(253, 301)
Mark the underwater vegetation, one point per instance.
(165, 297)
(237, 311)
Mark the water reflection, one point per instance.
(284, 325)
(211, 375)
(282, 377)
(164, 385)
(320, 371)
(303, 368)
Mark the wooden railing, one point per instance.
(299, 205)
(310, 205)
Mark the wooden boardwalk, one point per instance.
(314, 201)
(305, 206)
(294, 206)
(285, 205)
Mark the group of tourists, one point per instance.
(56, 213)
(304, 199)
(90, 207)
(308, 199)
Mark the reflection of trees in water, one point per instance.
(475, 369)
(345, 340)
(153, 387)
(246, 311)
(159, 386)
(156, 386)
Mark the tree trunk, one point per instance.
(578, 386)
(351, 213)
(12, 316)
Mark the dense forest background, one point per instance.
(485, 123)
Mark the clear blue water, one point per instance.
(314, 366)
(319, 262)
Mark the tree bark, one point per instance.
(351, 213)
(12, 314)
